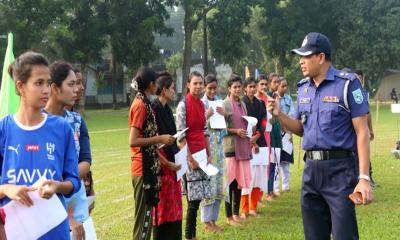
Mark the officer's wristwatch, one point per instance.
(365, 177)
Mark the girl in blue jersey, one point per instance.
(34, 144)
(64, 92)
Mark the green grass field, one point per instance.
(113, 214)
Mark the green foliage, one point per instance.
(369, 38)
(227, 38)
(80, 35)
(174, 62)
(131, 27)
(364, 35)
(259, 33)
(29, 21)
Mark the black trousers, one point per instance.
(234, 197)
(191, 216)
(325, 205)
(168, 231)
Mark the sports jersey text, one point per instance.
(28, 175)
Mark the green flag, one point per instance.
(9, 100)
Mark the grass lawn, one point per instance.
(113, 214)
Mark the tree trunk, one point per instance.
(280, 64)
(187, 51)
(82, 101)
(205, 43)
(113, 81)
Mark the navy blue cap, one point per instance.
(313, 43)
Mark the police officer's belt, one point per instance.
(327, 155)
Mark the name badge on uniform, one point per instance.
(305, 100)
(331, 99)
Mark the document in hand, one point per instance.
(251, 122)
(181, 159)
(90, 232)
(24, 222)
(176, 136)
(287, 145)
(268, 128)
(260, 158)
(201, 158)
(179, 134)
(217, 121)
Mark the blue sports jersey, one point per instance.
(28, 153)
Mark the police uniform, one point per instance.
(329, 139)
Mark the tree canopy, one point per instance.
(259, 33)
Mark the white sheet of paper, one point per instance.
(217, 121)
(251, 122)
(210, 169)
(35, 221)
(176, 135)
(268, 128)
(287, 146)
(179, 134)
(260, 158)
(395, 108)
(181, 159)
(90, 232)
(275, 155)
(201, 158)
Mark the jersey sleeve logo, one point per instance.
(358, 96)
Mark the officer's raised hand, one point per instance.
(273, 105)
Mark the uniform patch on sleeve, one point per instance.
(358, 96)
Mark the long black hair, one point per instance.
(59, 71)
(144, 77)
(164, 80)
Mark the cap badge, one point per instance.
(304, 42)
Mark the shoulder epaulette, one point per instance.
(346, 76)
(302, 81)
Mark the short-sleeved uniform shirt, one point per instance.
(137, 116)
(327, 122)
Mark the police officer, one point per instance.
(330, 114)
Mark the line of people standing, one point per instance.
(238, 183)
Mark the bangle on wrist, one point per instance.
(365, 177)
